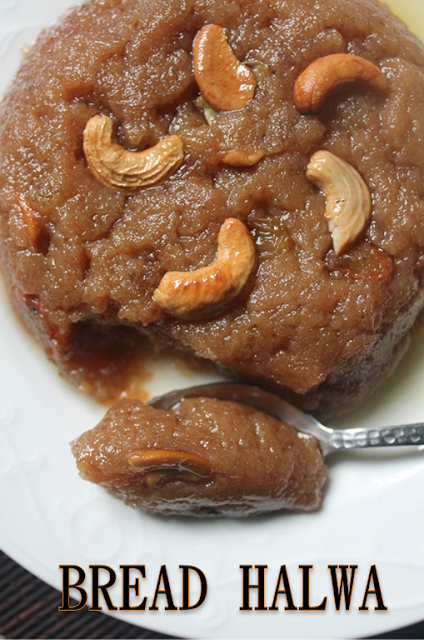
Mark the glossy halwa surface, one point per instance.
(82, 259)
(258, 463)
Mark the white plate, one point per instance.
(373, 512)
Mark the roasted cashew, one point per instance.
(37, 232)
(204, 292)
(162, 465)
(243, 158)
(123, 170)
(326, 74)
(349, 205)
(225, 83)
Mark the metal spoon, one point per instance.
(331, 440)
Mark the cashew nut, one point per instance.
(162, 465)
(349, 205)
(37, 232)
(225, 83)
(123, 170)
(243, 158)
(326, 74)
(207, 291)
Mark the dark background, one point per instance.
(29, 609)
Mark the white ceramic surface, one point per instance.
(373, 512)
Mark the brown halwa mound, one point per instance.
(250, 463)
(82, 261)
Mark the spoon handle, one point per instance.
(342, 439)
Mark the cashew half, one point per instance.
(243, 158)
(326, 74)
(348, 208)
(204, 292)
(37, 232)
(123, 170)
(162, 465)
(225, 83)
